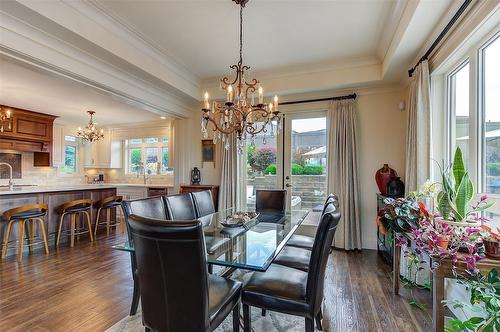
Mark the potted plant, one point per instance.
(454, 201)
(491, 241)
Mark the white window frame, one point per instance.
(474, 56)
(72, 144)
(143, 146)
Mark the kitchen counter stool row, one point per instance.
(28, 216)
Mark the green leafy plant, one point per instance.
(313, 170)
(263, 157)
(297, 169)
(484, 304)
(271, 169)
(457, 192)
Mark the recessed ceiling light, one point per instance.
(163, 117)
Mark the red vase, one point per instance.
(383, 176)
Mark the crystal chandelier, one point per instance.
(239, 113)
(5, 116)
(90, 132)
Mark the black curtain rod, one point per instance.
(443, 33)
(353, 96)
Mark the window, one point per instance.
(70, 155)
(491, 123)
(475, 126)
(459, 107)
(152, 152)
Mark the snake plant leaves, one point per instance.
(464, 194)
(458, 168)
(444, 204)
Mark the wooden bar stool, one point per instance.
(107, 204)
(21, 215)
(74, 209)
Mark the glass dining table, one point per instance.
(252, 246)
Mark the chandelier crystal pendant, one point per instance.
(5, 116)
(90, 133)
(240, 113)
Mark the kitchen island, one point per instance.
(55, 196)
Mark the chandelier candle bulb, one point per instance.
(230, 94)
(207, 102)
(261, 95)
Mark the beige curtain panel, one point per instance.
(418, 129)
(228, 193)
(343, 172)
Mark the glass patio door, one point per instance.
(294, 159)
(305, 159)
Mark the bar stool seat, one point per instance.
(107, 204)
(29, 214)
(74, 209)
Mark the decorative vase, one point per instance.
(492, 248)
(395, 187)
(195, 176)
(458, 228)
(383, 176)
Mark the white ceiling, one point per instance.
(203, 35)
(36, 90)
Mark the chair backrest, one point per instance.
(319, 255)
(151, 207)
(273, 201)
(180, 207)
(172, 273)
(331, 198)
(203, 203)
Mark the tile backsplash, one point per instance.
(14, 160)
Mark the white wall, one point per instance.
(381, 137)
(187, 149)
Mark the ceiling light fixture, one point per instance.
(90, 133)
(5, 116)
(239, 113)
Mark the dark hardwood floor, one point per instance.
(89, 288)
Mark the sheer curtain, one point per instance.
(228, 158)
(343, 171)
(418, 129)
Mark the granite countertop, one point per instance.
(27, 189)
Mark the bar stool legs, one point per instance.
(22, 229)
(20, 240)
(73, 229)
(6, 238)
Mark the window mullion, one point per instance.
(474, 123)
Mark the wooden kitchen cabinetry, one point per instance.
(30, 132)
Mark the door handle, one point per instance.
(288, 185)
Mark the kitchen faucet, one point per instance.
(142, 170)
(11, 183)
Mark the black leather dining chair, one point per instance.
(203, 203)
(151, 207)
(177, 293)
(304, 241)
(180, 207)
(270, 201)
(291, 291)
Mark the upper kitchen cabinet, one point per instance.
(106, 153)
(29, 132)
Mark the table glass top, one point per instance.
(252, 246)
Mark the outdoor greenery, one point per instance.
(313, 170)
(271, 169)
(493, 169)
(263, 158)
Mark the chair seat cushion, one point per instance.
(79, 208)
(111, 204)
(223, 295)
(28, 215)
(301, 241)
(280, 288)
(297, 258)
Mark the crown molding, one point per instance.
(113, 37)
(25, 43)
